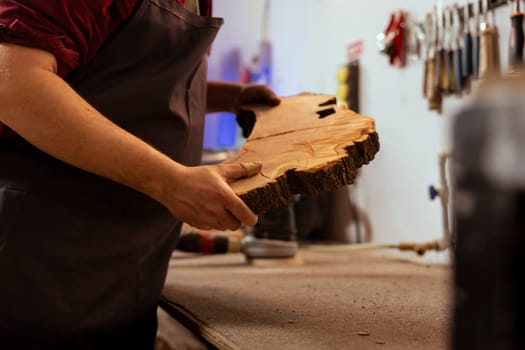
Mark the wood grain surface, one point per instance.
(307, 145)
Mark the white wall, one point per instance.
(309, 39)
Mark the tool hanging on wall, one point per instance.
(449, 69)
(460, 45)
(457, 53)
(466, 58)
(414, 38)
(441, 54)
(450, 45)
(392, 41)
(429, 55)
(516, 40)
(430, 91)
(476, 40)
(402, 40)
(488, 60)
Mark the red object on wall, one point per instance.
(354, 50)
(395, 38)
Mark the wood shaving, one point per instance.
(362, 333)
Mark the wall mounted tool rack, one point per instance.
(492, 5)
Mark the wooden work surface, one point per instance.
(322, 304)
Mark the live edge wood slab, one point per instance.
(307, 145)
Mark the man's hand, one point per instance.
(229, 97)
(257, 94)
(202, 198)
(253, 94)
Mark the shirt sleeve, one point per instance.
(73, 31)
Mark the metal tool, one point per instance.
(260, 248)
(516, 39)
(453, 83)
(431, 76)
(392, 41)
(487, 47)
(441, 54)
(475, 40)
(430, 55)
(466, 58)
(449, 51)
(194, 242)
(457, 52)
(415, 38)
(274, 236)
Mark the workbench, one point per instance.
(356, 300)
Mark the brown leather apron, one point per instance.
(83, 259)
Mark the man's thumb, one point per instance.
(238, 171)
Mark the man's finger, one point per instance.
(230, 222)
(273, 100)
(241, 212)
(259, 94)
(267, 96)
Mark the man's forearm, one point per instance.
(222, 96)
(43, 109)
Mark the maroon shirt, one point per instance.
(73, 31)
